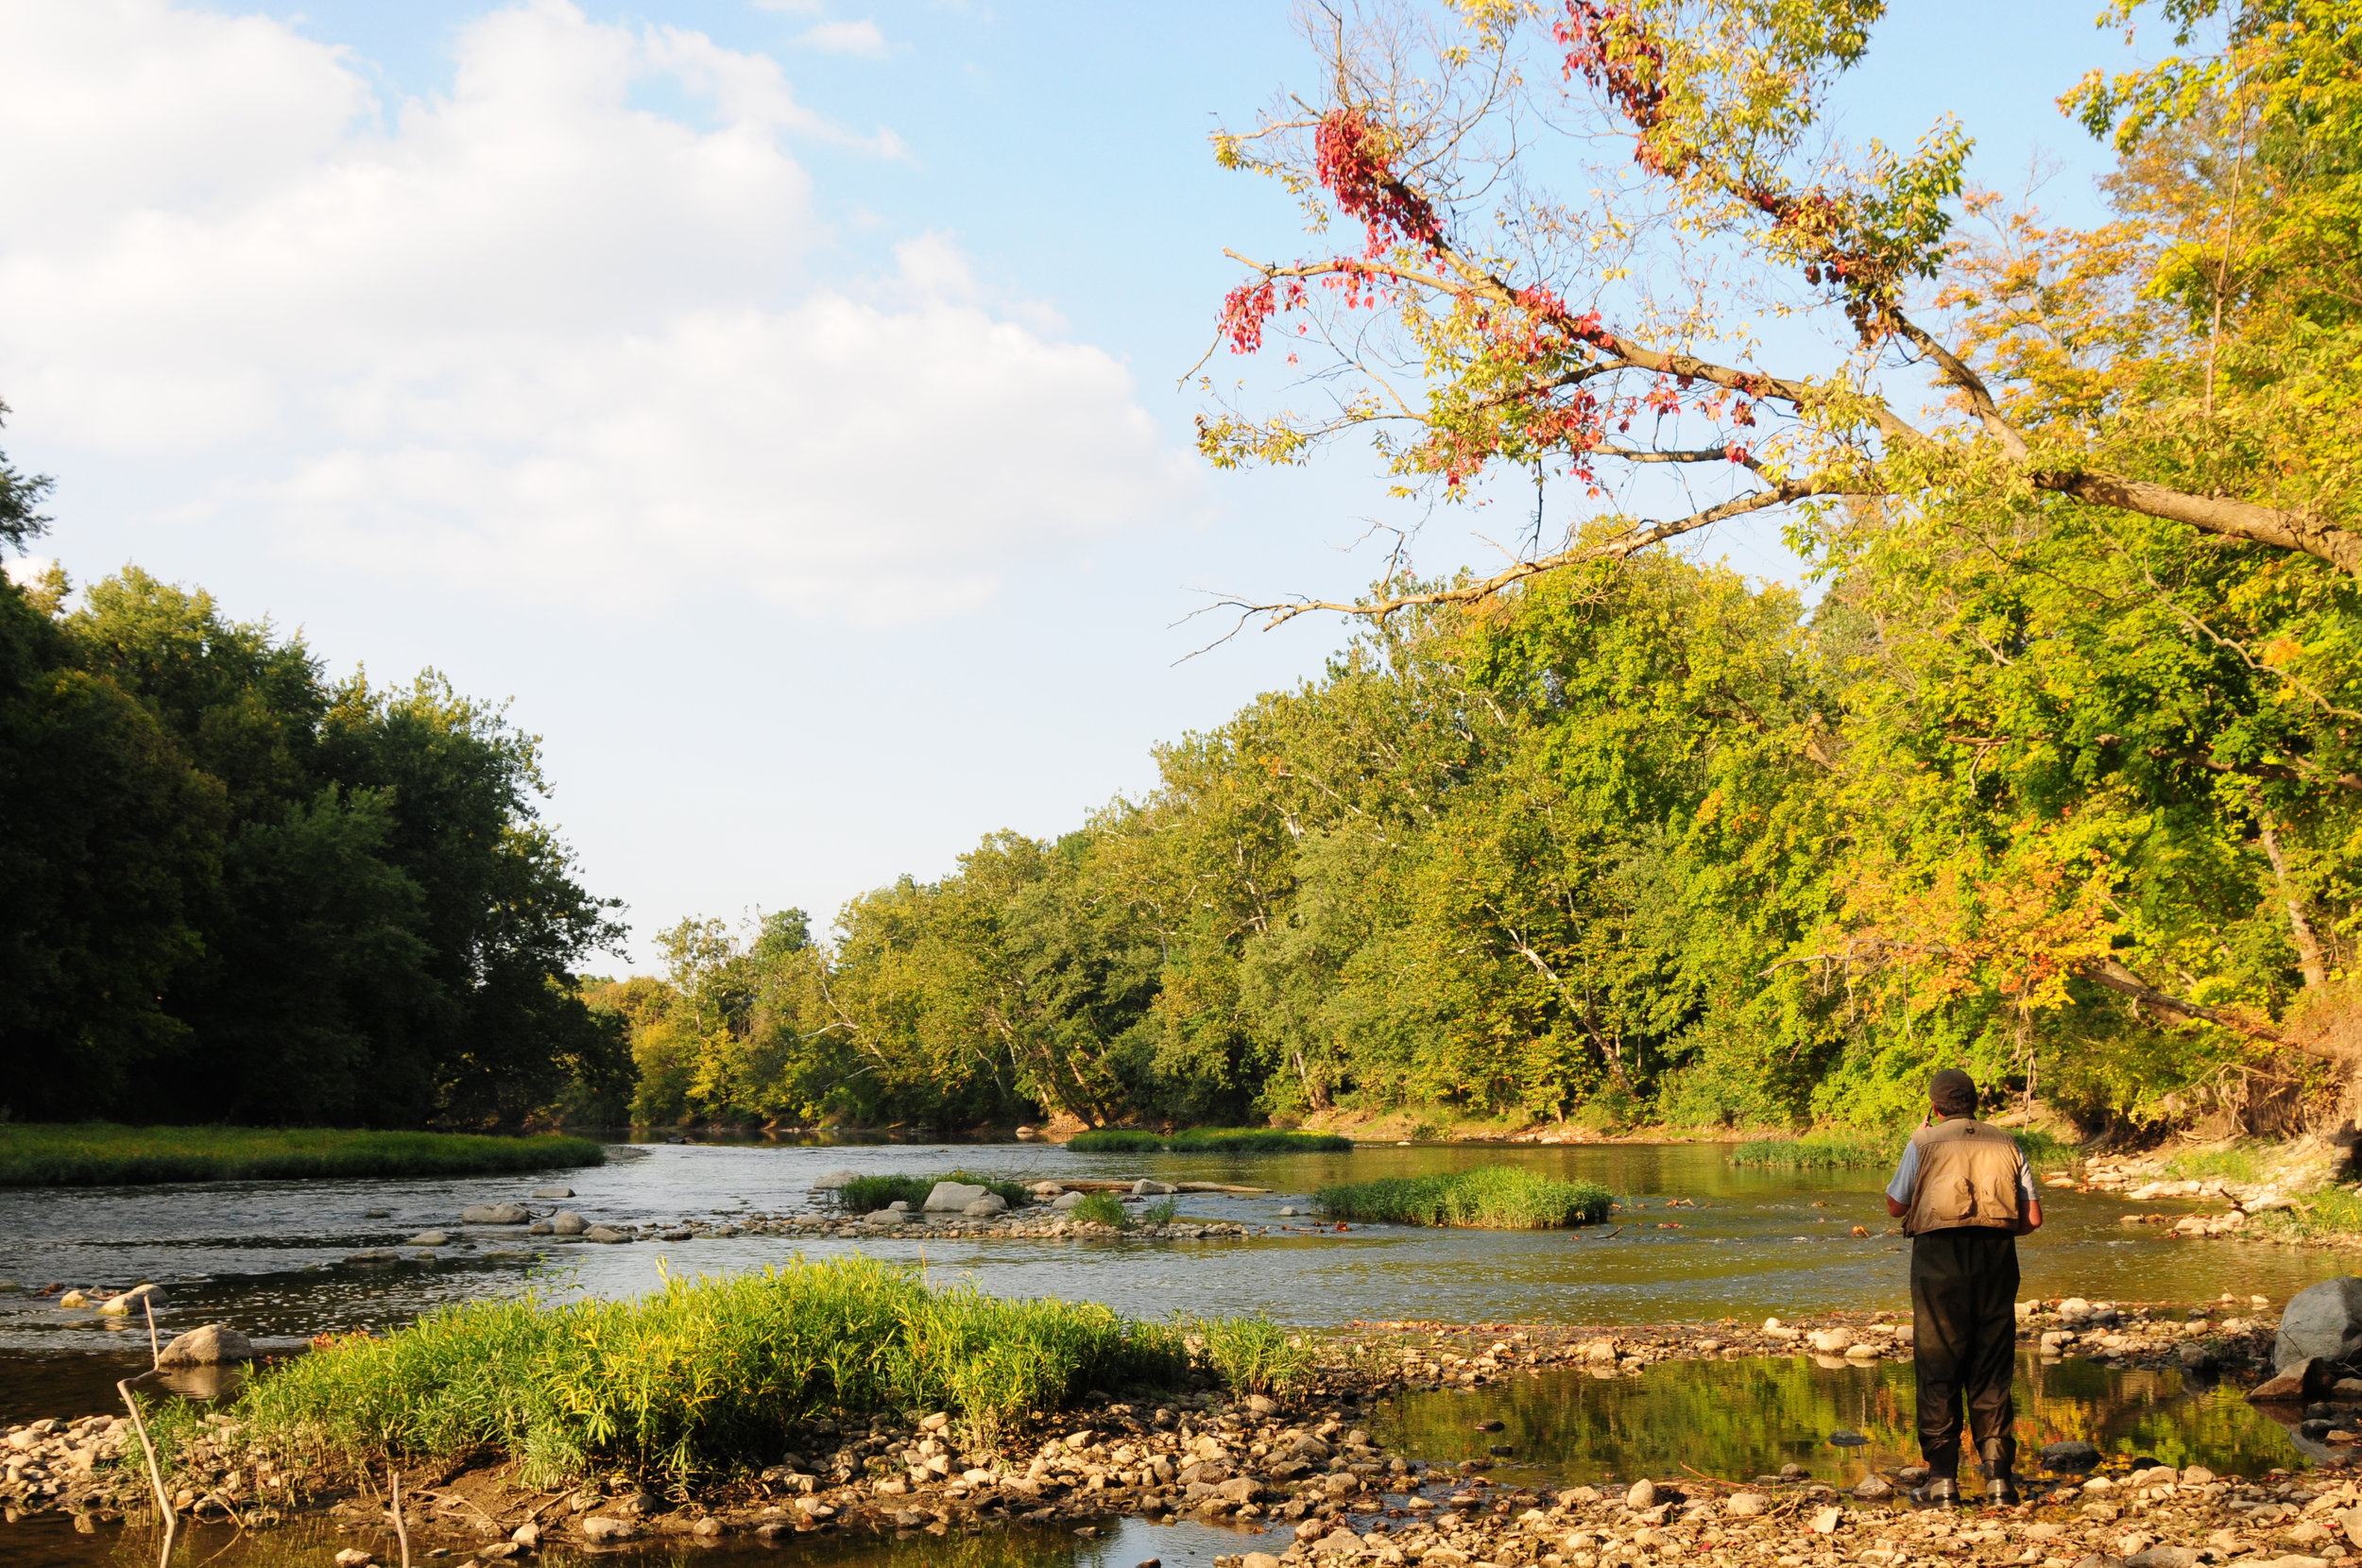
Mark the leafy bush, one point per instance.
(1163, 1211)
(1813, 1151)
(866, 1194)
(2045, 1151)
(99, 1154)
(1101, 1208)
(1494, 1198)
(1255, 1356)
(700, 1377)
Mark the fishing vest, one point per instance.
(1967, 1176)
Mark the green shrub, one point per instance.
(866, 1194)
(1492, 1197)
(701, 1376)
(1255, 1356)
(2333, 1214)
(1101, 1208)
(1813, 1151)
(1164, 1211)
(98, 1153)
(2043, 1150)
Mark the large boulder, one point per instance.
(1066, 1199)
(2321, 1322)
(567, 1222)
(986, 1206)
(494, 1214)
(209, 1346)
(951, 1197)
(833, 1180)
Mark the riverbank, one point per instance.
(106, 1154)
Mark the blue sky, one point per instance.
(779, 405)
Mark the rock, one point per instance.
(428, 1238)
(1745, 1505)
(1827, 1520)
(2069, 1455)
(567, 1222)
(1258, 1559)
(1858, 1351)
(1289, 1211)
(1597, 1352)
(494, 1214)
(73, 1298)
(605, 1235)
(986, 1206)
(1146, 1188)
(2320, 1322)
(553, 1192)
(1832, 1341)
(374, 1255)
(1341, 1539)
(1641, 1494)
(353, 1557)
(1065, 1199)
(2301, 1379)
(833, 1180)
(1847, 1438)
(598, 1527)
(2197, 1475)
(1875, 1489)
(951, 1197)
(129, 1300)
(210, 1346)
(1239, 1489)
(1258, 1404)
(887, 1219)
(708, 1528)
(527, 1535)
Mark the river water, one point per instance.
(267, 1256)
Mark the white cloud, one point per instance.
(523, 333)
(844, 37)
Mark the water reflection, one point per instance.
(1738, 1420)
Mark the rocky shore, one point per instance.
(1308, 1464)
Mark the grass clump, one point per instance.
(866, 1194)
(1813, 1151)
(1209, 1140)
(2230, 1164)
(2045, 1151)
(99, 1154)
(2333, 1213)
(1256, 1356)
(1492, 1198)
(702, 1376)
(1101, 1208)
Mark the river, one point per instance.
(267, 1256)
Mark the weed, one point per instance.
(1813, 1151)
(1253, 1355)
(1208, 1140)
(700, 1377)
(1163, 1211)
(1497, 1198)
(865, 1193)
(2045, 1150)
(99, 1154)
(1101, 1208)
(2231, 1164)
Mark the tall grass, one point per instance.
(1256, 1356)
(1813, 1151)
(98, 1153)
(704, 1376)
(1100, 1208)
(1209, 1140)
(2333, 1213)
(863, 1194)
(1492, 1197)
(1837, 1152)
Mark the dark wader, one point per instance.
(1964, 1341)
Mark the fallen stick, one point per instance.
(155, 1356)
(401, 1532)
(166, 1513)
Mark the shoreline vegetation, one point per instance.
(1491, 1198)
(1831, 1151)
(1209, 1140)
(106, 1154)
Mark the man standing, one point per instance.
(1965, 1193)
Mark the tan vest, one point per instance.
(1967, 1176)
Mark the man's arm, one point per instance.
(2029, 1218)
(1896, 1211)
(2029, 1203)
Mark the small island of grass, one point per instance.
(868, 1194)
(99, 1154)
(1488, 1198)
(1208, 1140)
